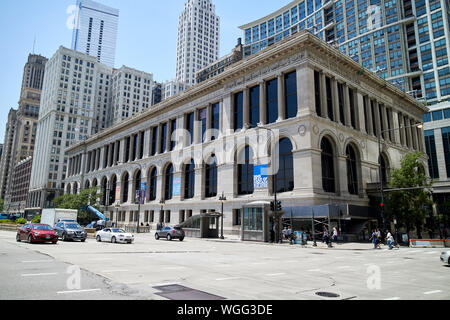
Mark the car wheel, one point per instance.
(55, 242)
(181, 239)
(99, 239)
(17, 238)
(64, 237)
(169, 237)
(449, 261)
(156, 236)
(113, 240)
(30, 240)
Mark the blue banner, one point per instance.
(176, 186)
(260, 177)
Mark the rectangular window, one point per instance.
(430, 144)
(272, 100)
(330, 105)
(190, 127)
(254, 106)
(202, 116)
(341, 102)
(317, 93)
(173, 128)
(238, 112)
(352, 108)
(154, 140)
(215, 120)
(290, 81)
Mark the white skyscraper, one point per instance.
(198, 39)
(95, 31)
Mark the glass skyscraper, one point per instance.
(95, 31)
(405, 42)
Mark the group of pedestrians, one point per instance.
(377, 239)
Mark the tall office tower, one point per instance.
(198, 39)
(103, 99)
(8, 153)
(95, 31)
(68, 115)
(171, 88)
(405, 42)
(28, 113)
(132, 92)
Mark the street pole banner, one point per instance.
(260, 177)
(117, 193)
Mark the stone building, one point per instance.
(298, 119)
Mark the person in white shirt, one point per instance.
(390, 240)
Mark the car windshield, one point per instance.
(41, 227)
(72, 226)
(118, 230)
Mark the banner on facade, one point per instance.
(260, 177)
(176, 186)
(143, 192)
(117, 193)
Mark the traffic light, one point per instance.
(279, 207)
(382, 205)
(272, 206)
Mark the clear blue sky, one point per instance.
(146, 40)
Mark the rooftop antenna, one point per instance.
(34, 43)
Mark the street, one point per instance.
(217, 269)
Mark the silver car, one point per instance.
(445, 257)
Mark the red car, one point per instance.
(35, 232)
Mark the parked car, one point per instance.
(170, 233)
(114, 236)
(70, 230)
(36, 232)
(445, 257)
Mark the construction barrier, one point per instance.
(424, 243)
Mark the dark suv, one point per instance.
(170, 233)
(70, 230)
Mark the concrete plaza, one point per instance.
(226, 268)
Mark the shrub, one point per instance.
(36, 219)
(21, 221)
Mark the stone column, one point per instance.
(281, 98)
(409, 136)
(415, 139)
(335, 96)
(262, 103)
(368, 107)
(197, 128)
(397, 132)
(199, 185)
(342, 173)
(226, 115)
(305, 92)
(359, 109)
(147, 142)
(385, 122)
(347, 111)
(246, 108)
(376, 111)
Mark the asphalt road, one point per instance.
(215, 269)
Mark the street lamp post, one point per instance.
(417, 125)
(222, 199)
(278, 234)
(162, 203)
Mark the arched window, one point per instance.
(328, 177)
(137, 187)
(211, 177)
(245, 172)
(125, 187)
(384, 163)
(352, 170)
(153, 183)
(104, 190)
(284, 179)
(75, 188)
(112, 192)
(168, 182)
(87, 184)
(189, 180)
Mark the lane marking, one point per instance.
(433, 292)
(314, 270)
(394, 298)
(39, 274)
(78, 291)
(37, 261)
(431, 252)
(275, 274)
(225, 279)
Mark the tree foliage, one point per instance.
(409, 206)
(2, 205)
(80, 202)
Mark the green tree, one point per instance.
(80, 202)
(2, 205)
(409, 206)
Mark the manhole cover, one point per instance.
(327, 294)
(171, 288)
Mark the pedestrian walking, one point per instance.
(374, 239)
(290, 235)
(390, 240)
(378, 232)
(335, 235)
(326, 236)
